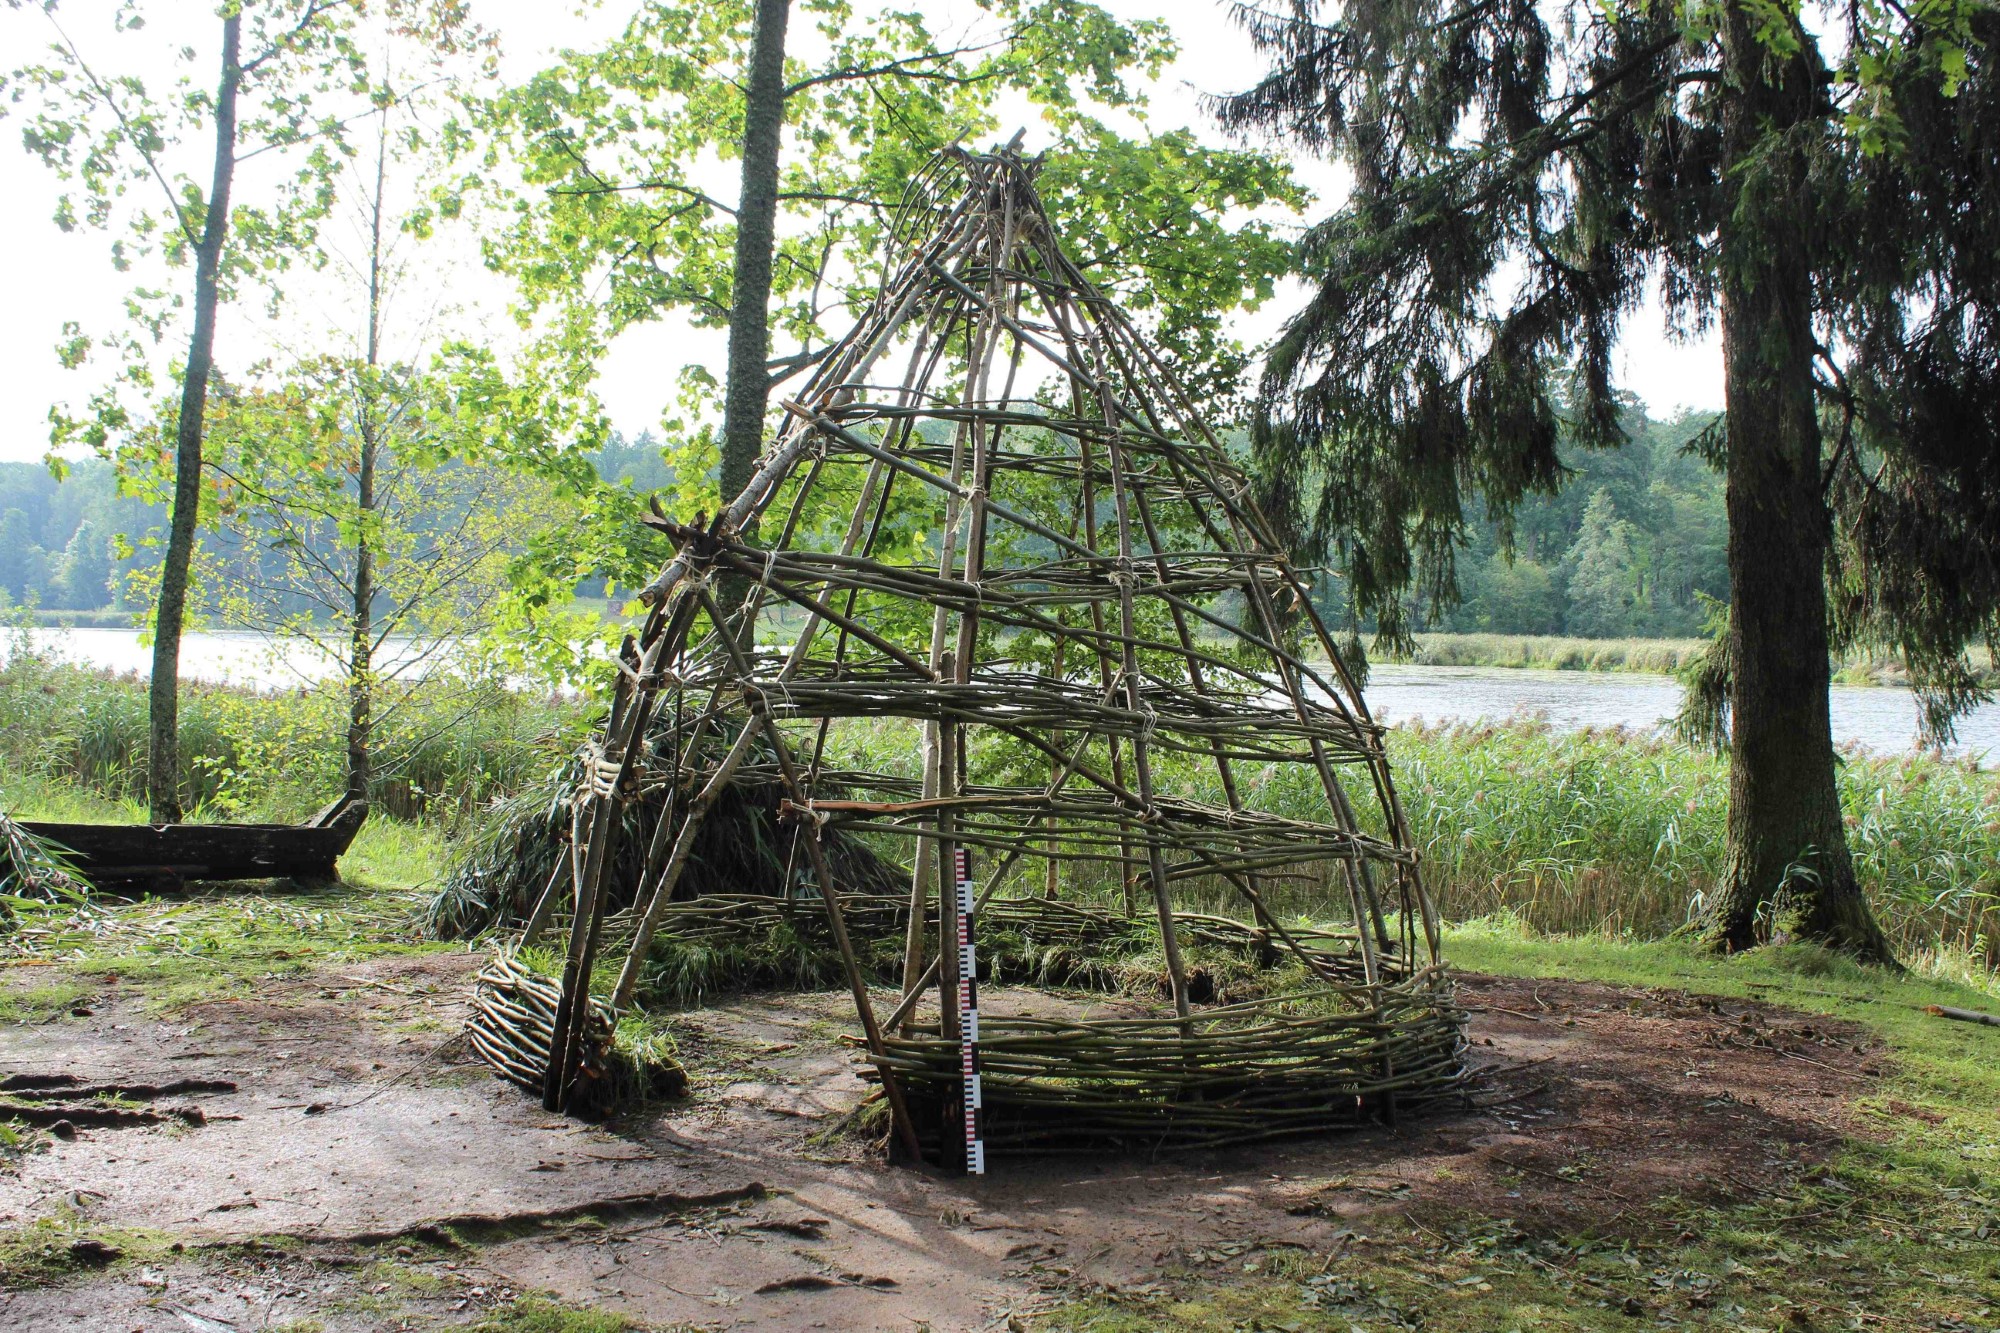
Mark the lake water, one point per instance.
(1878, 718)
(234, 657)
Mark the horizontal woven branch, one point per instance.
(718, 916)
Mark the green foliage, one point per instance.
(1602, 584)
(459, 479)
(1524, 182)
(1516, 569)
(620, 222)
(117, 141)
(246, 753)
(89, 534)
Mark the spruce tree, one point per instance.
(1826, 191)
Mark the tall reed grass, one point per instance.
(1553, 652)
(440, 756)
(1618, 833)
(1593, 832)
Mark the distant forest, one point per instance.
(1627, 549)
(1630, 547)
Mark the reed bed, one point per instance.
(1619, 834)
(1862, 665)
(1553, 652)
(441, 757)
(1607, 833)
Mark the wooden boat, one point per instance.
(156, 856)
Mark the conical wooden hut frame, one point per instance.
(993, 514)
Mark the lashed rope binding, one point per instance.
(1093, 600)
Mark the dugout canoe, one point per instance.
(155, 856)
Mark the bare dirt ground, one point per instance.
(356, 1132)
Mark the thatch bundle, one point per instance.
(741, 849)
(719, 943)
(513, 1015)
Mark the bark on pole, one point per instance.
(1787, 872)
(361, 650)
(163, 698)
(756, 236)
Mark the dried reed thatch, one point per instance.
(993, 514)
(720, 943)
(742, 848)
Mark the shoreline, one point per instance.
(1658, 657)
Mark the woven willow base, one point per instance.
(1243, 1073)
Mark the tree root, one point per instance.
(46, 1114)
(456, 1230)
(48, 1087)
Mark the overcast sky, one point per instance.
(54, 277)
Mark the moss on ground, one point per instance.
(65, 1246)
(532, 1314)
(29, 999)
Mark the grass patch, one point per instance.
(213, 942)
(403, 1278)
(63, 1247)
(532, 1314)
(26, 999)
(396, 854)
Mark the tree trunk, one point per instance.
(361, 665)
(756, 236)
(163, 755)
(1787, 873)
(361, 651)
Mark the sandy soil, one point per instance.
(357, 1127)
